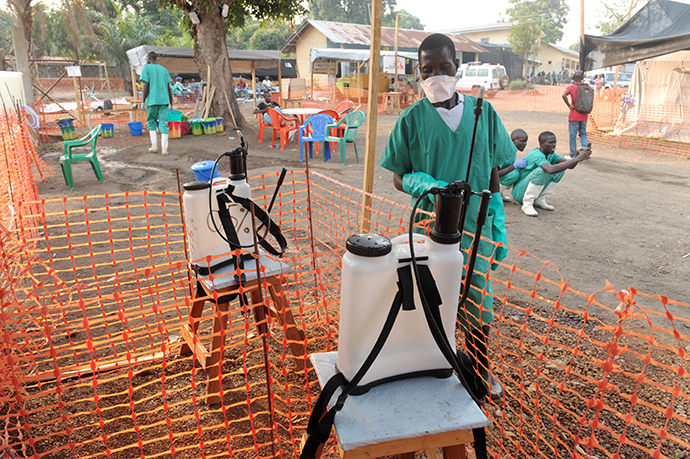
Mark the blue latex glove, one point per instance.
(520, 163)
(416, 183)
(498, 228)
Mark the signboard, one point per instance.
(74, 71)
(389, 64)
(324, 67)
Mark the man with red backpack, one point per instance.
(577, 121)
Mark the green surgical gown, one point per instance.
(422, 142)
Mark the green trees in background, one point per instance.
(359, 12)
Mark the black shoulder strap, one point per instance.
(263, 217)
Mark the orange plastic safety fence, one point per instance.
(18, 191)
(101, 356)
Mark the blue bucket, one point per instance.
(135, 127)
(202, 171)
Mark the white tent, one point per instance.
(658, 99)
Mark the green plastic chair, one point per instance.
(68, 158)
(352, 121)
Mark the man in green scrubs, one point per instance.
(544, 169)
(429, 146)
(157, 97)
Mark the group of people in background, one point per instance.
(550, 78)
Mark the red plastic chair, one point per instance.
(283, 128)
(342, 108)
(262, 125)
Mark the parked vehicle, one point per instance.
(473, 75)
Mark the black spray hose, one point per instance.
(477, 114)
(481, 219)
(243, 150)
(448, 352)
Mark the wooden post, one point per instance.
(254, 85)
(372, 112)
(77, 94)
(311, 86)
(397, 17)
(134, 86)
(107, 80)
(359, 82)
(280, 79)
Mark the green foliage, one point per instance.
(549, 15)
(615, 13)
(575, 46)
(524, 38)
(6, 21)
(405, 20)
(256, 35)
(125, 31)
(351, 11)
(518, 85)
(66, 32)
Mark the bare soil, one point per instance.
(621, 216)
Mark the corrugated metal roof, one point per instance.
(565, 50)
(359, 34)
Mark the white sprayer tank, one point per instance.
(368, 288)
(202, 238)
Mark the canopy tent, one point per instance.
(181, 60)
(660, 27)
(657, 102)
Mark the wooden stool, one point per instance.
(424, 413)
(224, 285)
(391, 102)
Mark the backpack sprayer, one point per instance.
(210, 245)
(376, 272)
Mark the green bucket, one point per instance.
(195, 126)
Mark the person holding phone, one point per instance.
(544, 169)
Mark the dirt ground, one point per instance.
(622, 216)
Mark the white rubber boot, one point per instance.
(506, 193)
(541, 200)
(154, 141)
(164, 144)
(531, 193)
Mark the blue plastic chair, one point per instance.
(318, 124)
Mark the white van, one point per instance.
(476, 74)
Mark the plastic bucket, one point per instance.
(195, 125)
(184, 128)
(220, 125)
(202, 171)
(174, 129)
(67, 128)
(209, 125)
(107, 129)
(135, 127)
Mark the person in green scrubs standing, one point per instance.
(157, 97)
(429, 147)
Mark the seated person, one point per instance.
(509, 173)
(178, 88)
(542, 171)
(391, 87)
(267, 83)
(268, 103)
(241, 84)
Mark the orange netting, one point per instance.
(18, 191)
(96, 297)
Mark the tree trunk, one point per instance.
(211, 50)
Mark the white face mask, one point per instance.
(439, 88)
